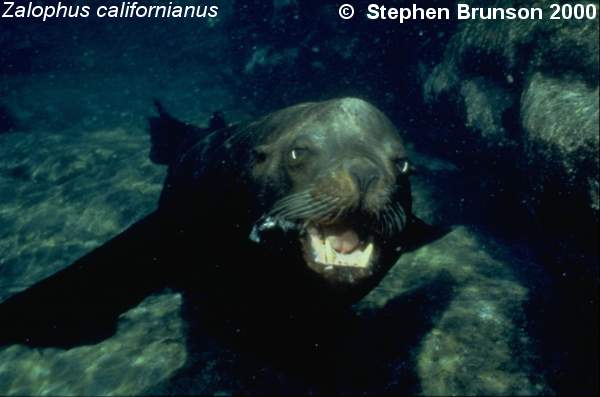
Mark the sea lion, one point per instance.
(321, 190)
(308, 206)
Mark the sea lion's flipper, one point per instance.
(81, 304)
(170, 136)
(420, 233)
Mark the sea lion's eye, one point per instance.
(404, 166)
(296, 155)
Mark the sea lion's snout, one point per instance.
(364, 176)
(359, 183)
(345, 241)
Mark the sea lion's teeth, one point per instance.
(315, 241)
(330, 255)
(319, 254)
(366, 256)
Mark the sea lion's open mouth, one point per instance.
(337, 245)
(339, 252)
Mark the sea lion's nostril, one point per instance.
(364, 179)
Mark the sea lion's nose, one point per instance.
(365, 174)
(364, 181)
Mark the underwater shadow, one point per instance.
(319, 350)
(380, 356)
(81, 304)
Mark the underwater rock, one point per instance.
(527, 95)
(520, 102)
(475, 343)
(560, 118)
(509, 52)
(485, 102)
(62, 194)
(149, 346)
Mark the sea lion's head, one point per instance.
(337, 173)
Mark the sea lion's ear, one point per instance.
(420, 233)
(217, 121)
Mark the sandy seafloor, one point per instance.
(79, 174)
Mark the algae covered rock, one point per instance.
(527, 94)
(560, 118)
(64, 194)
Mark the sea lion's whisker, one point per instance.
(290, 200)
(401, 215)
(289, 207)
(381, 228)
(320, 215)
(301, 205)
(307, 209)
(325, 214)
(308, 202)
(397, 222)
(313, 210)
(387, 221)
(293, 196)
(392, 218)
